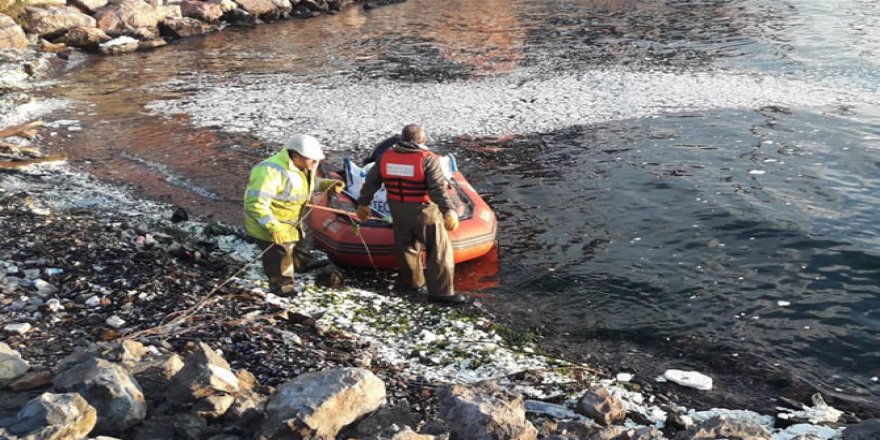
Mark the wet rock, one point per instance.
(34, 379)
(472, 414)
(867, 430)
(204, 373)
(152, 44)
(315, 5)
(120, 16)
(55, 20)
(320, 404)
(241, 18)
(11, 34)
(110, 389)
(720, 427)
(55, 417)
(89, 6)
(400, 415)
(213, 407)
(211, 13)
(183, 28)
(599, 405)
(118, 46)
(155, 376)
(12, 366)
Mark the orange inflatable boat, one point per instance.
(371, 244)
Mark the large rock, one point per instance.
(246, 411)
(209, 12)
(55, 417)
(318, 405)
(721, 427)
(474, 414)
(11, 37)
(400, 415)
(599, 405)
(32, 380)
(12, 365)
(121, 16)
(259, 8)
(867, 430)
(204, 374)
(183, 28)
(155, 376)
(110, 389)
(213, 407)
(54, 20)
(90, 6)
(84, 37)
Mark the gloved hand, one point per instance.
(338, 186)
(450, 221)
(363, 212)
(277, 238)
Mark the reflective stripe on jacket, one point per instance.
(275, 195)
(404, 175)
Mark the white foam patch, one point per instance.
(347, 113)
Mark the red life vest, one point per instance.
(404, 176)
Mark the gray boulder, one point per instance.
(867, 430)
(110, 389)
(55, 417)
(55, 20)
(599, 405)
(473, 414)
(11, 34)
(32, 380)
(12, 365)
(318, 405)
(204, 374)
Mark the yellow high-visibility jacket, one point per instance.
(274, 198)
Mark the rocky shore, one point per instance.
(114, 27)
(123, 318)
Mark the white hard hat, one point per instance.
(307, 146)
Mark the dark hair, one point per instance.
(412, 133)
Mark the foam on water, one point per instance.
(348, 113)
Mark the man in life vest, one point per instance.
(422, 212)
(273, 209)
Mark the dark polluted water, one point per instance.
(683, 184)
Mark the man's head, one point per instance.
(305, 151)
(414, 133)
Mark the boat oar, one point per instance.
(340, 211)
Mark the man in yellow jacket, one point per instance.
(273, 208)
